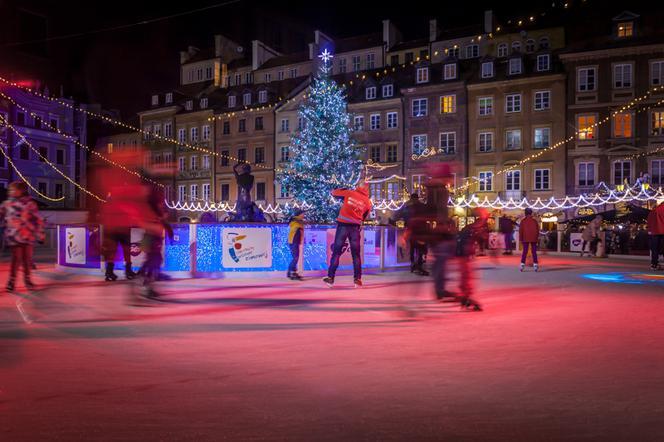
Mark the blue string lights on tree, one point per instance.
(323, 154)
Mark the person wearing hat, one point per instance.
(529, 234)
(295, 240)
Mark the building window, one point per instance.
(206, 162)
(204, 103)
(194, 134)
(393, 122)
(226, 128)
(453, 52)
(283, 192)
(358, 123)
(541, 137)
(168, 130)
(232, 101)
(155, 100)
(485, 143)
(586, 78)
(392, 156)
(622, 125)
(657, 172)
(342, 66)
(422, 75)
(513, 180)
(238, 79)
(542, 179)
(189, 105)
(248, 78)
(513, 139)
(168, 157)
(156, 129)
(267, 78)
(448, 104)
(516, 47)
(409, 57)
(543, 62)
(20, 118)
(293, 74)
(419, 107)
(374, 121)
(472, 51)
(419, 144)
(448, 142)
(515, 66)
(55, 123)
(626, 29)
(262, 96)
(168, 193)
(544, 43)
(657, 73)
(388, 90)
(169, 98)
(284, 154)
(206, 133)
(485, 106)
(356, 63)
(246, 99)
(300, 123)
(586, 174)
(487, 69)
(622, 171)
(59, 190)
(513, 103)
(542, 100)
(371, 61)
(242, 125)
(242, 155)
(193, 192)
(60, 156)
(193, 164)
(394, 60)
(586, 127)
(224, 158)
(284, 125)
(206, 192)
(182, 193)
(418, 184)
(181, 164)
(199, 74)
(374, 154)
(280, 75)
(375, 191)
(258, 123)
(392, 191)
(502, 50)
(225, 192)
(370, 93)
(658, 123)
(260, 192)
(208, 73)
(622, 76)
(259, 155)
(485, 181)
(530, 46)
(450, 71)
(43, 155)
(41, 186)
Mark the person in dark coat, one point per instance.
(506, 228)
(413, 209)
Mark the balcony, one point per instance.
(194, 174)
(515, 195)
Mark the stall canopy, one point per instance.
(630, 213)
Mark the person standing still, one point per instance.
(506, 227)
(23, 227)
(656, 232)
(354, 210)
(295, 240)
(529, 234)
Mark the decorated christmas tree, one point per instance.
(323, 155)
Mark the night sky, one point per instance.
(120, 69)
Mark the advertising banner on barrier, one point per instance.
(75, 247)
(246, 247)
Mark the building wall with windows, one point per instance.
(510, 121)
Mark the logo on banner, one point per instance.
(75, 245)
(251, 247)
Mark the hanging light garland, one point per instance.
(4, 147)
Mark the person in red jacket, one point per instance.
(529, 234)
(656, 232)
(354, 210)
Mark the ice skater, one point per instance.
(353, 212)
(295, 240)
(529, 235)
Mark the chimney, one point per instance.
(433, 30)
(488, 21)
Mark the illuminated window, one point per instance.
(626, 29)
(658, 122)
(448, 104)
(586, 127)
(622, 125)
